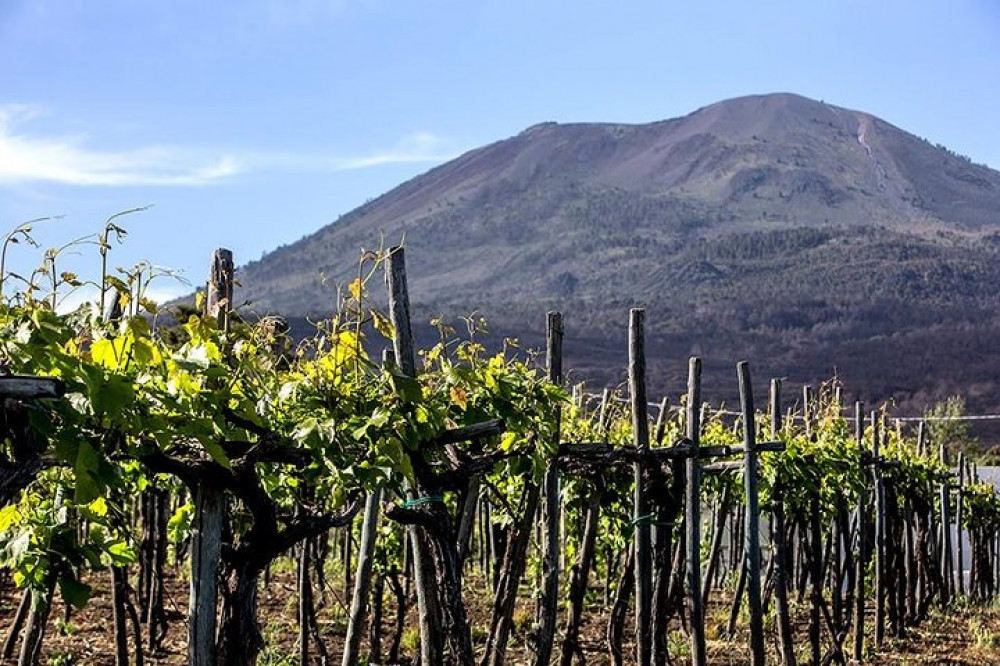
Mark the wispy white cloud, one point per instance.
(71, 160)
(421, 147)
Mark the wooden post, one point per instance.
(692, 516)
(305, 600)
(880, 572)
(861, 564)
(210, 505)
(119, 586)
(550, 575)
(362, 581)
(752, 548)
(219, 296)
(428, 611)
(807, 409)
(661, 422)
(640, 439)
(14, 630)
(815, 576)
(34, 630)
(946, 561)
(206, 550)
(785, 636)
(959, 546)
(465, 524)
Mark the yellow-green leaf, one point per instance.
(382, 325)
(356, 286)
(99, 507)
(9, 515)
(460, 397)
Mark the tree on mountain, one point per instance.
(945, 426)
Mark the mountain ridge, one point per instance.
(771, 227)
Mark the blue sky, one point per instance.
(251, 123)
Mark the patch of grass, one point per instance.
(986, 636)
(524, 620)
(273, 657)
(63, 658)
(64, 628)
(410, 640)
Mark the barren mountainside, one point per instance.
(806, 237)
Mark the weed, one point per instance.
(63, 658)
(410, 640)
(986, 637)
(64, 628)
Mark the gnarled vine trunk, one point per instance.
(240, 640)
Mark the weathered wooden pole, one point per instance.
(661, 421)
(862, 559)
(640, 519)
(362, 581)
(808, 407)
(119, 587)
(925, 534)
(553, 550)
(209, 514)
(219, 293)
(305, 600)
(947, 580)
(752, 536)
(428, 609)
(785, 637)
(880, 572)
(692, 517)
(815, 545)
(959, 546)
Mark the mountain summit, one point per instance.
(771, 227)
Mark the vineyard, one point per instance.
(447, 505)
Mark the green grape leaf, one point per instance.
(74, 592)
(121, 553)
(88, 485)
(215, 451)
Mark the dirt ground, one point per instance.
(965, 635)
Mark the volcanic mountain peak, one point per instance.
(504, 220)
(796, 233)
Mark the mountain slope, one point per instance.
(772, 227)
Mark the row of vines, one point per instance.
(436, 479)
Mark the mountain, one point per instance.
(806, 237)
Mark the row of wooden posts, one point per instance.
(649, 535)
(697, 463)
(206, 535)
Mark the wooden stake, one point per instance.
(553, 550)
(807, 409)
(959, 546)
(947, 581)
(862, 557)
(362, 581)
(428, 611)
(692, 516)
(640, 438)
(206, 528)
(880, 572)
(752, 547)
(785, 637)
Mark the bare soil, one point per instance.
(964, 635)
